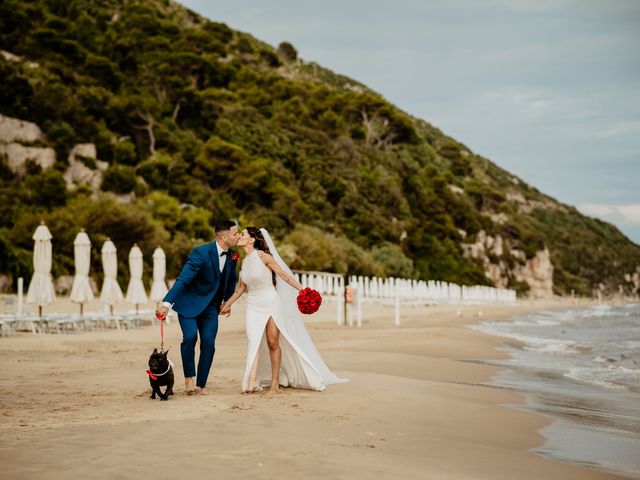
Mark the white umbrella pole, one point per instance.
(20, 294)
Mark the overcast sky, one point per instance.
(547, 89)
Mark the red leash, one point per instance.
(162, 335)
(162, 319)
(149, 372)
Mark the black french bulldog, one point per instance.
(160, 374)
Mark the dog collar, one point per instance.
(154, 376)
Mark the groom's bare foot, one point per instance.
(189, 386)
(202, 391)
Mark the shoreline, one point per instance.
(418, 405)
(592, 421)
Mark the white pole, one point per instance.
(359, 293)
(397, 322)
(20, 289)
(350, 309)
(339, 300)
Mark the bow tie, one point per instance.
(226, 252)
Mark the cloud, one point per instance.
(537, 6)
(526, 101)
(622, 128)
(627, 214)
(630, 212)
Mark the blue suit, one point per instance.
(197, 295)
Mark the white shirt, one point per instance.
(222, 259)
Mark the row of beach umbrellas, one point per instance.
(41, 291)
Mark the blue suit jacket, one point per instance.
(200, 280)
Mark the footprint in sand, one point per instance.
(358, 445)
(236, 408)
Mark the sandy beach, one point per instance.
(77, 406)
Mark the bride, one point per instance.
(274, 326)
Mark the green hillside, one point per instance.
(198, 121)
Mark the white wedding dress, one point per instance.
(301, 365)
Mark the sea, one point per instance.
(581, 368)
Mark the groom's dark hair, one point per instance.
(223, 225)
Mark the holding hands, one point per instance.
(225, 309)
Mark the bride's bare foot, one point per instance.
(189, 386)
(202, 391)
(274, 389)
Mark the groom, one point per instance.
(206, 281)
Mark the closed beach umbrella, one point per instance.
(135, 291)
(41, 290)
(111, 291)
(81, 290)
(159, 286)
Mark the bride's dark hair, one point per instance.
(261, 244)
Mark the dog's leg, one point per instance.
(155, 389)
(163, 396)
(169, 388)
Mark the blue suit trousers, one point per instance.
(207, 325)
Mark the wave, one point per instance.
(611, 377)
(531, 343)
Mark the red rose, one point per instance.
(235, 256)
(309, 301)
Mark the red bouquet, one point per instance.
(309, 301)
(235, 256)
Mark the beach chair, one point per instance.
(114, 321)
(95, 321)
(62, 323)
(70, 324)
(28, 323)
(10, 307)
(132, 320)
(48, 323)
(7, 325)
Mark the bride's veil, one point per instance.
(292, 318)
